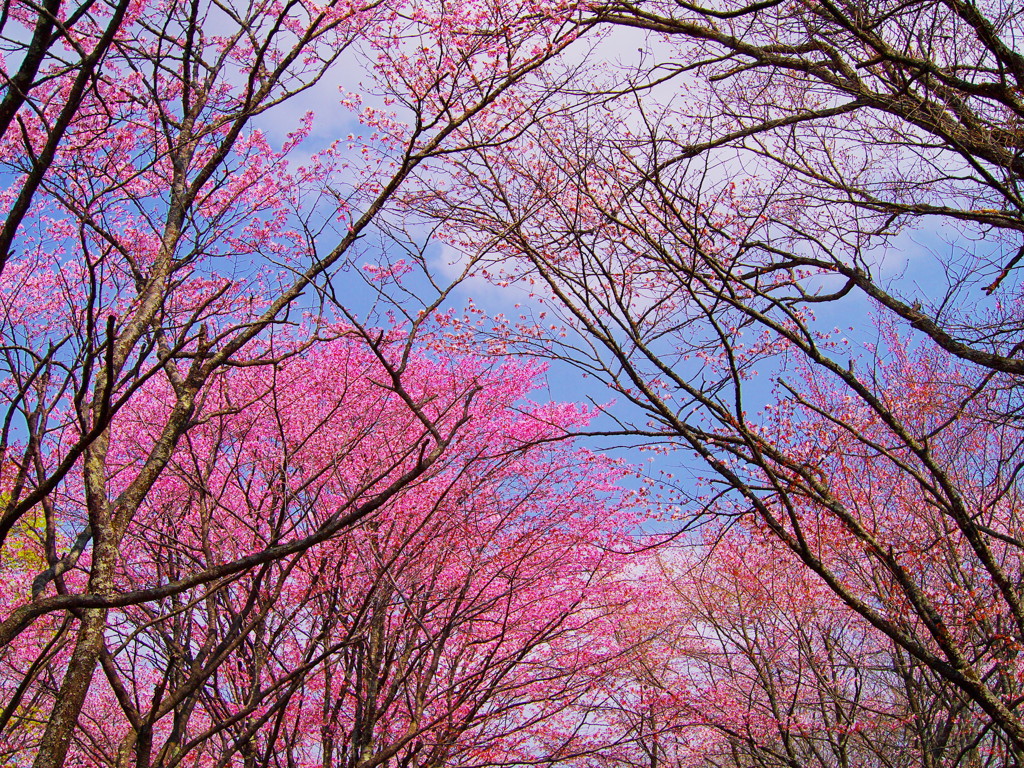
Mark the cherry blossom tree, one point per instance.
(741, 656)
(744, 186)
(157, 237)
(441, 628)
(262, 503)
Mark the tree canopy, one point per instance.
(272, 493)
